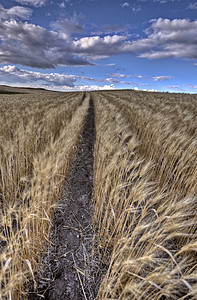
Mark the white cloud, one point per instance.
(95, 87)
(35, 46)
(20, 12)
(83, 88)
(15, 12)
(192, 6)
(136, 9)
(87, 43)
(119, 75)
(112, 80)
(62, 5)
(154, 78)
(36, 3)
(125, 4)
(152, 20)
(110, 65)
(109, 80)
(65, 27)
(10, 74)
(161, 78)
(151, 90)
(96, 47)
(166, 38)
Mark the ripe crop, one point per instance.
(144, 194)
(38, 138)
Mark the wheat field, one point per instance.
(39, 135)
(144, 195)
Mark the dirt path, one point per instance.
(68, 271)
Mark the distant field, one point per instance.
(5, 89)
(144, 195)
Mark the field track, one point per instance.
(72, 231)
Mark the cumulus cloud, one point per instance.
(35, 46)
(36, 3)
(20, 12)
(15, 12)
(96, 47)
(87, 43)
(30, 45)
(152, 90)
(10, 74)
(166, 38)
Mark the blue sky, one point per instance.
(99, 44)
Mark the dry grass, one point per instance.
(39, 135)
(145, 195)
(144, 188)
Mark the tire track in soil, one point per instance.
(72, 231)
